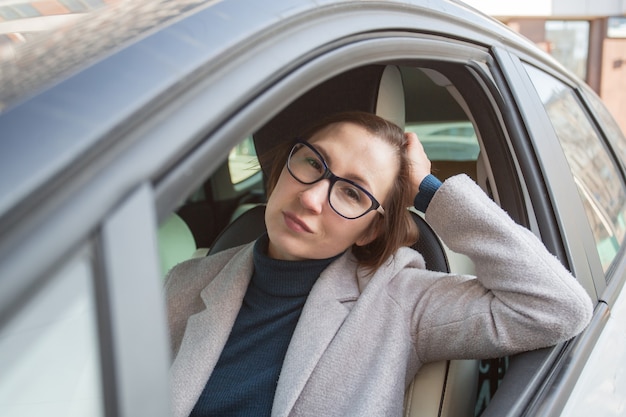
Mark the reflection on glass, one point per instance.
(595, 172)
(568, 42)
(611, 128)
(49, 356)
(242, 161)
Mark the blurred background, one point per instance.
(587, 37)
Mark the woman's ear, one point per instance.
(372, 232)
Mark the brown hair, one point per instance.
(396, 227)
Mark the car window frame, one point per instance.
(533, 369)
(135, 341)
(553, 391)
(539, 140)
(604, 145)
(615, 283)
(350, 53)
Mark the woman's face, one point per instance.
(300, 221)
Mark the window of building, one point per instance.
(616, 27)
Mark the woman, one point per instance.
(329, 314)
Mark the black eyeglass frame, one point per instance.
(329, 175)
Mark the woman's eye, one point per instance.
(315, 163)
(352, 193)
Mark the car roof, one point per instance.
(69, 109)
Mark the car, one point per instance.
(135, 137)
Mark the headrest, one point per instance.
(390, 102)
(374, 88)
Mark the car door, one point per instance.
(78, 337)
(591, 143)
(165, 126)
(467, 74)
(473, 75)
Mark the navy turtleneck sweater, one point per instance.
(244, 380)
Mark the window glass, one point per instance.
(242, 161)
(595, 172)
(447, 141)
(616, 27)
(49, 356)
(609, 125)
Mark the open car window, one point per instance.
(191, 229)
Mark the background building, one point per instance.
(588, 37)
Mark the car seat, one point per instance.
(445, 388)
(442, 389)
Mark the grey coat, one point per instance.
(361, 339)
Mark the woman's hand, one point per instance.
(420, 164)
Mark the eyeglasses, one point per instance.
(347, 198)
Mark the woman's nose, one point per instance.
(315, 196)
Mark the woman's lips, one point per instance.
(295, 224)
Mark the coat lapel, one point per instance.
(205, 336)
(326, 308)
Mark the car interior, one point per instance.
(228, 210)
